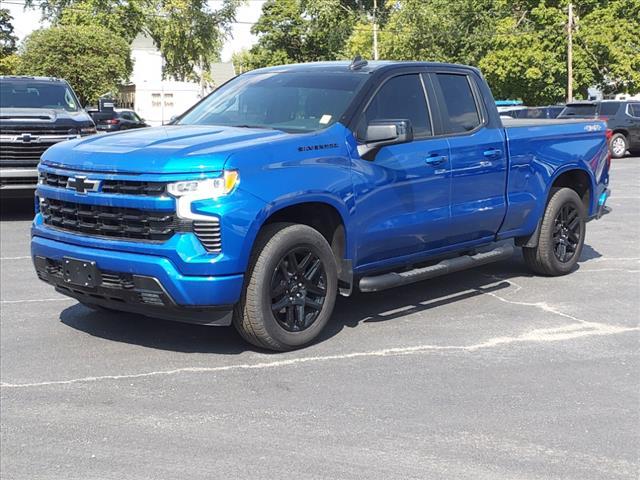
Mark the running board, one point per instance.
(394, 279)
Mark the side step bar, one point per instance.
(394, 279)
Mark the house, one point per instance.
(157, 100)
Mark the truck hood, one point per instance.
(41, 116)
(166, 149)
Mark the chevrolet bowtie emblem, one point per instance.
(82, 185)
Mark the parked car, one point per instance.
(118, 119)
(35, 113)
(291, 184)
(622, 117)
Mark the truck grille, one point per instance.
(102, 220)
(38, 130)
(152, 189)
(20, 154)
(209, 235)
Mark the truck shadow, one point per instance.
(16, 209)
(427, 296)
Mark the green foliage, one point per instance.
(292, 31)
(10, 64)
(7, 38)
(188, 32)
(92, 59)
(124, 18)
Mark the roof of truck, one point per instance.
(344, 66)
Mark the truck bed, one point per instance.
(537, 122)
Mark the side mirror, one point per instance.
(381, 133)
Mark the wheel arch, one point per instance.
(573, 176)
(324, 214)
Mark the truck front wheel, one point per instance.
(290, 288)
(561, 235)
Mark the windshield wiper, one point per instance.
(253, 126)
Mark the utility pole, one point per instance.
(570, 54)
(375, 30)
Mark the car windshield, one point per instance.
(292, 102)
(57, 96)
(580, 110)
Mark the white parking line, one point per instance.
(15, 258)
(64, 299)
(563, 333)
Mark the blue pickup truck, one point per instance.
(289, 185)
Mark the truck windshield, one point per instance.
(292, 102)
(57, 96)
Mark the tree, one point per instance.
(7, 38)
(190, 35)
(291, 31)
(92, 59)
(188, 32)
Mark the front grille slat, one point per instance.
(102, 220)
(122, 187)
(209, 234)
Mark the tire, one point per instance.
(564, 220)
(618, 145)
(272, 281)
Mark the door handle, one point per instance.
(493, 153)
(436, 159)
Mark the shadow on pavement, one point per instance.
(16, 209)
(388, 305)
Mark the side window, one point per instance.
(127, 116)
(400, 98)
(459, 103)
(634, 110)
(609, 109)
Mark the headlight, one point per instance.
(87, 130)
(189, 191)
(208, 188)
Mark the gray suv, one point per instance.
(622, 117)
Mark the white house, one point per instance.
(157, 100)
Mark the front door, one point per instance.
(402, 195)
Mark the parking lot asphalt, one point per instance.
(486, 374)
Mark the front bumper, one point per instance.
(139, 283)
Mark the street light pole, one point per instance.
(375, 30)
(570, 54)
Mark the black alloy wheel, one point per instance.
(298, 289)
(566, 233)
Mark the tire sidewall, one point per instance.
(277, 247)
(558, 200)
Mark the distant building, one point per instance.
(157, 100)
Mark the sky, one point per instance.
(25, 21)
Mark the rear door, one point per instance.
(402, 195)
(478, 158)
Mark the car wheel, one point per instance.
(290, 288)
(561, 235)
(618, 145)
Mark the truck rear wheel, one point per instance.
(561, 235)
(290, 288)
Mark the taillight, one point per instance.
(603, 118)
(113, 121)
(608, 135)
